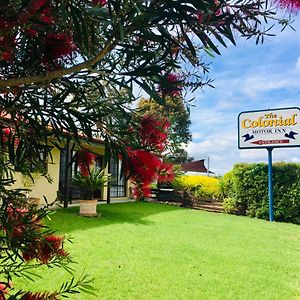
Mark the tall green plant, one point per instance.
(247, 191)
(96, 179)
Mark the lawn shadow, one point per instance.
(66, 220)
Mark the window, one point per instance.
(118, 182)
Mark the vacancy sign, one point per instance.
(273, 128)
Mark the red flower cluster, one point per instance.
(58, 45)
(9, 134)
(41, 10)
(5, 134)
(4, 289)
(46, 249)
(84, 160)
(99, 2)
(35, 21)
(291, 5)
(145, 166)
(153, 132)
(19, 221)
(173, 86)
(25, 227)
(7, 44)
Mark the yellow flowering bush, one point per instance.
(203, 186)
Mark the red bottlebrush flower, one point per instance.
(99, 2)
(173, 86)
(40, 296)
(141, 190)
(15, 217)
(31, 252)
(42, 11)
(6, 131)
(4, 24)
(146, 189)
(7, 44)
(54, 241)
(143, 168)
(46, 17)
(4, 289)
(84, 160)
(38, 4)
(32, 33)
(50, 247)
(153, 132)
(58, 45)
(45, 250)
(143, 165)
(199, 17)
(7, 55)
(218, 11)
(291, 5)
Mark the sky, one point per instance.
(246, 77)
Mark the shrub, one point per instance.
(198, 186)
(246, 189)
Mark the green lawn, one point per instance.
(152, 251)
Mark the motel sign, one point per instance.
(269, 129)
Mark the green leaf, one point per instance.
(151, 92)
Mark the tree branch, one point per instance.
(17, 82)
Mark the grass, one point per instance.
(152, 251)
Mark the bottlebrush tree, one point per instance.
(144, 157)
(65, 65)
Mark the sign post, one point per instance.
(269, 129)
(270, 184)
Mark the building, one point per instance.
(196, 166)
(61, 167)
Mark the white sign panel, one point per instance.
(269, 128)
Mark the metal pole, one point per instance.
(270, 185)
(208, 166)
(108, 184)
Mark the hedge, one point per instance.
(246, 190)
(201, 186)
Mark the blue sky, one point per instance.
(246, 77)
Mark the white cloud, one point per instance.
(225, 104)
(298, 63)
(221, 149)
(197, 135)
(253, 155)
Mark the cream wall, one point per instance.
(41, 187)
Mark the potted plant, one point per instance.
(90, 182)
